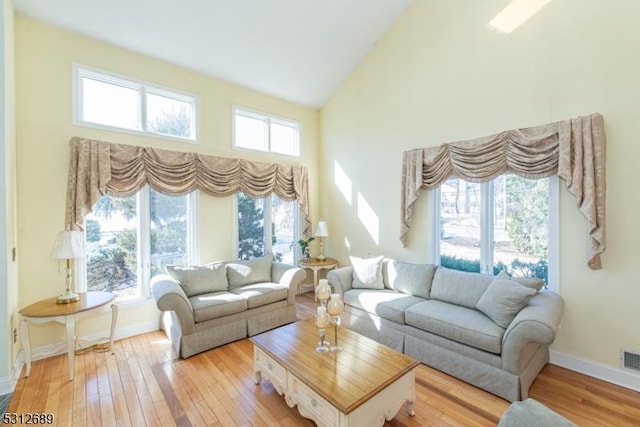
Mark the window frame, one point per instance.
(486, 230)
(143, 88)
(268, 119)
(143, 271)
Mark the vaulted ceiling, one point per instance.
(299, 50)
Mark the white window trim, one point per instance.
(79, 71)
(268, 118)
(553, 241)
(144, 246)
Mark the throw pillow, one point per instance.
(197, 280)
(367, 272)
(503, 299)
(257, 270)
(529, 282)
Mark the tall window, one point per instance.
(257, 131)
(500, 225)
(106, 100)
(131, 239)
(268, 225)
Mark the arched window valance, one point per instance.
(572, 149)
(97, 168)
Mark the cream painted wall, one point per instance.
(439, 75)
(8, 266)
(44, 123)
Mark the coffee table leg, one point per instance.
(410, 409)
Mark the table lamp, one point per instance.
(69, 245)
(321, 231)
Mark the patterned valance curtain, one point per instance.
(98, 168)
(572, 149)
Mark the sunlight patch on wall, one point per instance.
(369, 219)
(342, 181)
(347, 244)
(515, 14)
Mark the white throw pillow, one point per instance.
(367, 272)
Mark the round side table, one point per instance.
(315, 265)
(48, 310)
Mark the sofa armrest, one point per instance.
(288, 275)
(341, 279)
(537, 323)
(169, 296)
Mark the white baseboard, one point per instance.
(8, 384)
(610, 374)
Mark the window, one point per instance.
(257, 131)
(120, 103)
(268, 225)
(131, 239)
(504, 224)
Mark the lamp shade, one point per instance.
(321, 229)
(69, 244)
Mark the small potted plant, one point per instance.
(304, 247)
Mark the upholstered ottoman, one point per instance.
(531, 413)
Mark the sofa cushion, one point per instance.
(385, 303)
(216, 304)
(367, 272)
(411, 279)
(461, 324)
(459, 287)
(503, 299)
(258, 294)
(255, 270)
(196, 280)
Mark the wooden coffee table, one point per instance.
(363, 385)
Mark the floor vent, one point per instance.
(630, 360)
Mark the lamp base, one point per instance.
(68, 297)
(321, 257)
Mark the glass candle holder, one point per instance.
(335, 306)
(322, 321)
(323, 291)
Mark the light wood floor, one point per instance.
(141, 382)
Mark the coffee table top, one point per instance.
(347, 378)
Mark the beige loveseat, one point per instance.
(207, 306)
(491, 331)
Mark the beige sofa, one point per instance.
(207, 306)
(492, 332)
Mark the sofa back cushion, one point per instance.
(255, 270)
(459, 287)
(411, 279)
(197, 280)
(367, 272)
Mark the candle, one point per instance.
(322, 320)
(335, 305)
(324, 290)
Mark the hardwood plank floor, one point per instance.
(142, 382)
